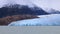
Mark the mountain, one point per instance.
(17, 9)
(53, 11)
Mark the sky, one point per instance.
(55, 4)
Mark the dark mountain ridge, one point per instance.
(17, 9)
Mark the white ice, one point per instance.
(45, 20)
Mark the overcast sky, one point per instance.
(41, 3)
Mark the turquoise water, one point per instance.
(49, 20)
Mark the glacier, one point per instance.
(44, 20)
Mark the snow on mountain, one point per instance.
(52, 11)
(46, 20)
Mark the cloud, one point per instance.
(2, 2)
(55, 4)
(21, 2)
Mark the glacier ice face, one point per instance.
(49, 20)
